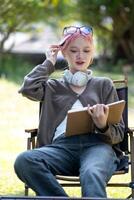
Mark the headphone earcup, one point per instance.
(68, 75)
(79, 78)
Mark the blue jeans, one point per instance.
(83, 155)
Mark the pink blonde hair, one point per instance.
(72, 37)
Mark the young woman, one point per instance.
(92, 156)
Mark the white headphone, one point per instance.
(77, 79)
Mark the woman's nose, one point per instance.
(79, 54)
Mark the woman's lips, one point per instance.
(79, 62)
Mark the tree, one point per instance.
(13, 16)
(113, 22)
(16, 15)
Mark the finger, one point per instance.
(106, 109)
(90, 110)
(54, 51)
(51, 52)
(54, 48)
(88, 107)
(99, 108)
(94, 108)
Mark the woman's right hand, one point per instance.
(52, 52)
(99, 114)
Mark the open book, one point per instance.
(79, 121)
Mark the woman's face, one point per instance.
(79, 54)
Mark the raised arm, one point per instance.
(35, 82)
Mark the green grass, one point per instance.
(16, 114)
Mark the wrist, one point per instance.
(104, 129)
(52, 61)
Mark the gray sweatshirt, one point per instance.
(57, 98)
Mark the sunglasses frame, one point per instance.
(77, 28)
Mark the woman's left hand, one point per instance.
(51, 53)
(99, 114)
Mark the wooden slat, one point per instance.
(76, 178)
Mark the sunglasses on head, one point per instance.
(86, 30)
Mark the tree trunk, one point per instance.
(125, 48)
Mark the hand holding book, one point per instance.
(99, 114)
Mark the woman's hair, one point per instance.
(70, 38)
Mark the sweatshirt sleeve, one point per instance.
(35, 82)
(114, 134)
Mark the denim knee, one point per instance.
(20, 165)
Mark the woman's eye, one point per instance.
(73, 51)
(87, 51)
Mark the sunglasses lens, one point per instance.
(70, 30)
(86, 30)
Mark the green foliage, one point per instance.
(112, 20)
(14, 69)
(17, 12)
(17, 15)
